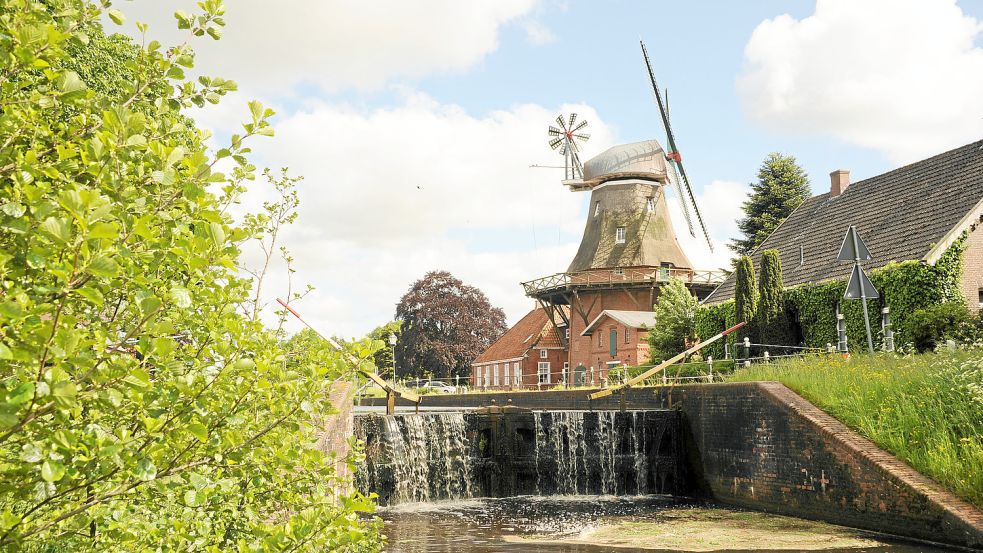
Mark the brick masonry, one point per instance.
(972, 280)
(332, 439)
(760, 446)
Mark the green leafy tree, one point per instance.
(383, 358)
(675, 320)
(771, 321)
(745, 295)
(782, 186)
(140, 408)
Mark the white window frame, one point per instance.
(619, 271)
(544, 354)
(650, 204)
(487, 375)
(619, 235)
(517, 373)
(543, 370)
(627, 335)
(597, 208)
(505, 376)
(566, 332)
(495, 375)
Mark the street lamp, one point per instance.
(392, 344)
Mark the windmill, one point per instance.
(565, 138)
(675, 161)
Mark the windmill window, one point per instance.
(619, 272)
(619, 235)
(650, 205)
(566, 333)
(597, 208)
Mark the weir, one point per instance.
(509, 452)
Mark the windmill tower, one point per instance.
(629, 248)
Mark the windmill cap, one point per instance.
(645, 159)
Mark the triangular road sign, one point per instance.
(848, 252)
(858, 279)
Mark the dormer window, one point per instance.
(619, 235)
(650, 205)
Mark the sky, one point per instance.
(414, 124)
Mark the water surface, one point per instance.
(510, 524)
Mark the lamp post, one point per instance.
(392, 345)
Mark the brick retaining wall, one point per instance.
(761, 446)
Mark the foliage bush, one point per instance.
(140, 407)
(770, 321)
(745, 296)
(932, 326)
(675, 311)
(926, 409)
(712, 319)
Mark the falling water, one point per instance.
(433, 456)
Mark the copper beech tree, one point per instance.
(446, 324)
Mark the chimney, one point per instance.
(839, 180)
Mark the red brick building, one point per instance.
(614, 338)
(529, 355)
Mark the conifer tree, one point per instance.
(782, 186)
(745, 295)
(770, 320)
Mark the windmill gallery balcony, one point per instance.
(560, 283)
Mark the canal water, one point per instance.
(641, 523)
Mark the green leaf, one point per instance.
(31, 453)
(117, 16)
(217, 234)
(58, 229)
(199, 431)
(138, 377)
(64, 392)
(5, 352)
(13, 209)
(146, 470)
(52, 471)
(103, 266)
(191, 498)
(256, 108)
(181, 297)
(103, 230)
(21, 394)
(71, 85)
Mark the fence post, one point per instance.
(709, 368)
(767, 357)
(886, 327)
(747, 351)
(664, 380)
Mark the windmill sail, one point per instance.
(675, 160)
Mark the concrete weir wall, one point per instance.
(760, 446)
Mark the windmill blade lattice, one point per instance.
(565, 137)
(672, 153)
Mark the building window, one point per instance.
(650, 205)
(517, 374)
(495, 376)
(505, 376)
(627, 335)
(487, 375)
(981, 297)
(544, 354)
(619, 235)
(619, 272)
(600, 340)
(597, 208)
(544, 372)
(566, 333)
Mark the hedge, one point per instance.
(904, 287)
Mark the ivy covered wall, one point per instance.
(904, 287)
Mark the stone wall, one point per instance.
(332, 439)
(759, 445)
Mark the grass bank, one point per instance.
(925, 409)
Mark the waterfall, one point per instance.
(415, 457)
(433, 456)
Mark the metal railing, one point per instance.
(608, 277)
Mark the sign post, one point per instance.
(859, 287)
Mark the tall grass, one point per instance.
(925, 409)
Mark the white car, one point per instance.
(440, 387)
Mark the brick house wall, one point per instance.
(972, 282)
(633, 351)
(583, 349)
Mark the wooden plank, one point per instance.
(671, 361)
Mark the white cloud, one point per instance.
(904, 77)
(392, 193)
(537, 33)
(273, 46)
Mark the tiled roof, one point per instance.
(533, 330)
(631, 319)
(901, 215)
